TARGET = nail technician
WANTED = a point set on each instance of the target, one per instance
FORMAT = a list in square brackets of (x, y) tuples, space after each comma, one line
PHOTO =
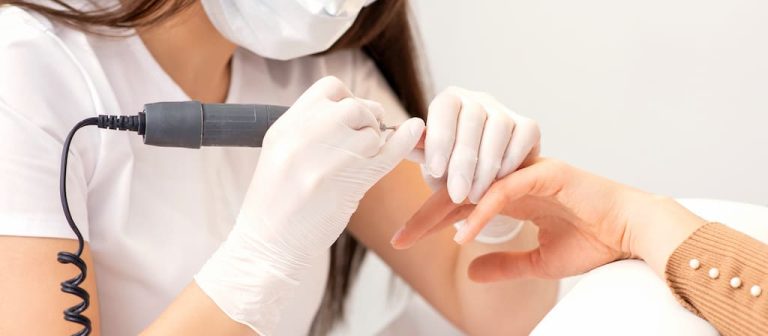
[(231, 241)]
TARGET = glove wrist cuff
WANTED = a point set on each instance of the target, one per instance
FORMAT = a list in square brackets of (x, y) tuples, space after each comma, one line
[(249, 278), (250, 290)]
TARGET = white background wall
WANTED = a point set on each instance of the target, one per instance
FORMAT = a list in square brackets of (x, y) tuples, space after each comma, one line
[(668, 96)]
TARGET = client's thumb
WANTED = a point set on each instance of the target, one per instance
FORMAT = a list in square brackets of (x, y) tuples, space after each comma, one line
[(505, 265), (402, 142)]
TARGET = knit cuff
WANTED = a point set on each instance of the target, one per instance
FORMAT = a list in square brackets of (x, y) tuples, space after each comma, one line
[(701, 273)]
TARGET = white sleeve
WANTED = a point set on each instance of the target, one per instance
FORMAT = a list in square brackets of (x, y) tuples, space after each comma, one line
[(42, 96)]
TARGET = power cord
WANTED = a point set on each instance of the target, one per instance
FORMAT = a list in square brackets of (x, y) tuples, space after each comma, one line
[(174, 124), (71, 286)]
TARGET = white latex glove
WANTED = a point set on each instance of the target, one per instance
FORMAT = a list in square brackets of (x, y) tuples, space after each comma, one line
[(478, 140), (472, 140), (317, 162)]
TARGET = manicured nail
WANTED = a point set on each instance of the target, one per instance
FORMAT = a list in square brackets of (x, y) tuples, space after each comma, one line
[(437, 165), (458, 188), (396, 239), (461, 234)]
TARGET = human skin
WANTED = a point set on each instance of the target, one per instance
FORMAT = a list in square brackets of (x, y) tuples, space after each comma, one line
[(584, 221)]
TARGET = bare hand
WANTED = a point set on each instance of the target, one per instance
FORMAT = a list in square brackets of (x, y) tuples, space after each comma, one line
[(584, 221)]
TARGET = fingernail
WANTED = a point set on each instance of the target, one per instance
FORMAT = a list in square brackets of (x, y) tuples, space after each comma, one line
[(458, 188), (396, 239), (437, 165), (461, 235)]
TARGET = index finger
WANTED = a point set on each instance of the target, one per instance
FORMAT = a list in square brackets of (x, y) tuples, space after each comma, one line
[(420, 144), (538, 179), (431, 214)]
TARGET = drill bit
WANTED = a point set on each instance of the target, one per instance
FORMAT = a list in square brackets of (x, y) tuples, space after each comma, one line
[(383, 127)]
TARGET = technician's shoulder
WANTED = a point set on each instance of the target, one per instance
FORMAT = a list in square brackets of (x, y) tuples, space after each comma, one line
[(39, 72)]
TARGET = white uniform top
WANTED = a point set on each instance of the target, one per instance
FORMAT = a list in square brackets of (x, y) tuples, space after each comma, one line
[(152, 215)]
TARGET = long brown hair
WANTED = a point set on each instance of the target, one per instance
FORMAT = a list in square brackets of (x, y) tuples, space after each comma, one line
[(382, 30)]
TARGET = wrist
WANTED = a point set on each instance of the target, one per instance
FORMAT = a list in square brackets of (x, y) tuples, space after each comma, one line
[(660, 227), (248, 293), (248, 280)]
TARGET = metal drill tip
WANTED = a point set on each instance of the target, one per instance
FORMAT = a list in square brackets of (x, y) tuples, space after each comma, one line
[(383, 127)]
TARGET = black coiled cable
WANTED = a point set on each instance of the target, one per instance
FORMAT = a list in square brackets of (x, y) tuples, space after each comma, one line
[(72, 286)]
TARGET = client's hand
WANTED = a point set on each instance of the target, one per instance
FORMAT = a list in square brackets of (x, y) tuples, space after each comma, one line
[(584, 221)]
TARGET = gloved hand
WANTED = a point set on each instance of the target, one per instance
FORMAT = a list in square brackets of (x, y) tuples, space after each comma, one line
[(477, 140), (317, 162), (472, 140)]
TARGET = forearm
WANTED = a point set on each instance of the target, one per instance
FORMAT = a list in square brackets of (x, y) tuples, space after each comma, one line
[(31, 302), (485, 308), (194, 313), (34, 307)]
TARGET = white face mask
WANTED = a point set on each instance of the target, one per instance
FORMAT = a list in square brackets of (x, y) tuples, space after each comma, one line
[(283, 29)]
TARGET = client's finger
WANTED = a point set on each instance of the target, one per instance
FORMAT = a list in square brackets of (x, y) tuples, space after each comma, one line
[(420, 144), (535, 180), (417, 155), (431, 213), (456, 215), (505, 265)]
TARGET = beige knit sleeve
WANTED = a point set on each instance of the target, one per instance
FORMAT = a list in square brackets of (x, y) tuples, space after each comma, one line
[(721, 275)]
